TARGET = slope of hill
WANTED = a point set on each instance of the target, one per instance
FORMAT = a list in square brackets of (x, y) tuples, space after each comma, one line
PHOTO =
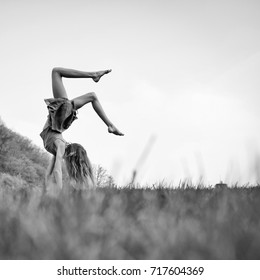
[(21, 162)]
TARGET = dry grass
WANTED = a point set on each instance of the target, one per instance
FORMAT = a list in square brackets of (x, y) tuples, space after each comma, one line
[(129, 223)]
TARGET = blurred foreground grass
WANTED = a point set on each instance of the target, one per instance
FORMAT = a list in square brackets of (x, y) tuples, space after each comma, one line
[(128, 223)]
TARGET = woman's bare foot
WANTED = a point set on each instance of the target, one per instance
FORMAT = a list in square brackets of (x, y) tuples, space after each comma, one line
[(114, 130), (99, 74)]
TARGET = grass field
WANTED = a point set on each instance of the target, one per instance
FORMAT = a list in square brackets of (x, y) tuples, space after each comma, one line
[(130, 223)]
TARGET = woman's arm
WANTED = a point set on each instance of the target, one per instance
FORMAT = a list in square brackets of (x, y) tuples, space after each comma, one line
[(50, 168), (57, 169)]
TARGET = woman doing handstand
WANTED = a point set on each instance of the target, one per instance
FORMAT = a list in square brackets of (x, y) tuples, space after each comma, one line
[(62, 112)]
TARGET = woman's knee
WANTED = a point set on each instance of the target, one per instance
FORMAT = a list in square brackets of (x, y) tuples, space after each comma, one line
[(93, 96), (55, 72)]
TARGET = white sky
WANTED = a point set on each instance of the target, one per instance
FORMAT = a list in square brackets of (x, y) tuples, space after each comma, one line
[(185, 74)]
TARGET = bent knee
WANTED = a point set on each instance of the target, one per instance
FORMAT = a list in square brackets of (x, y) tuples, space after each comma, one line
[(93, 96), (56, 71)]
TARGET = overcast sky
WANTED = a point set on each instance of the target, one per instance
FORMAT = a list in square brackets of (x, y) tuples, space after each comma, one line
[(184, 87)]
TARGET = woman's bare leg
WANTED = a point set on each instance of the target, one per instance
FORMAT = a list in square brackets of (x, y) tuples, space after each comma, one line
[(92, 97), (58, 72)]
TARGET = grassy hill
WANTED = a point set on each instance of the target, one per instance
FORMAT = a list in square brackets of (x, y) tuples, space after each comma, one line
[(22, 163)]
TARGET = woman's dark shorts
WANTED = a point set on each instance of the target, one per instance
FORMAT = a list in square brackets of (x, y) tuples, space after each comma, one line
[(61, 113)]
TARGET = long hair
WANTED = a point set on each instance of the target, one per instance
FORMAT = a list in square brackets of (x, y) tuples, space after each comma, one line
[(77, 163)]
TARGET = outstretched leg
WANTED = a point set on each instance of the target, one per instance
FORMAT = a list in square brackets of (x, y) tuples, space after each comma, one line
[(58, 72), (92, 97)]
